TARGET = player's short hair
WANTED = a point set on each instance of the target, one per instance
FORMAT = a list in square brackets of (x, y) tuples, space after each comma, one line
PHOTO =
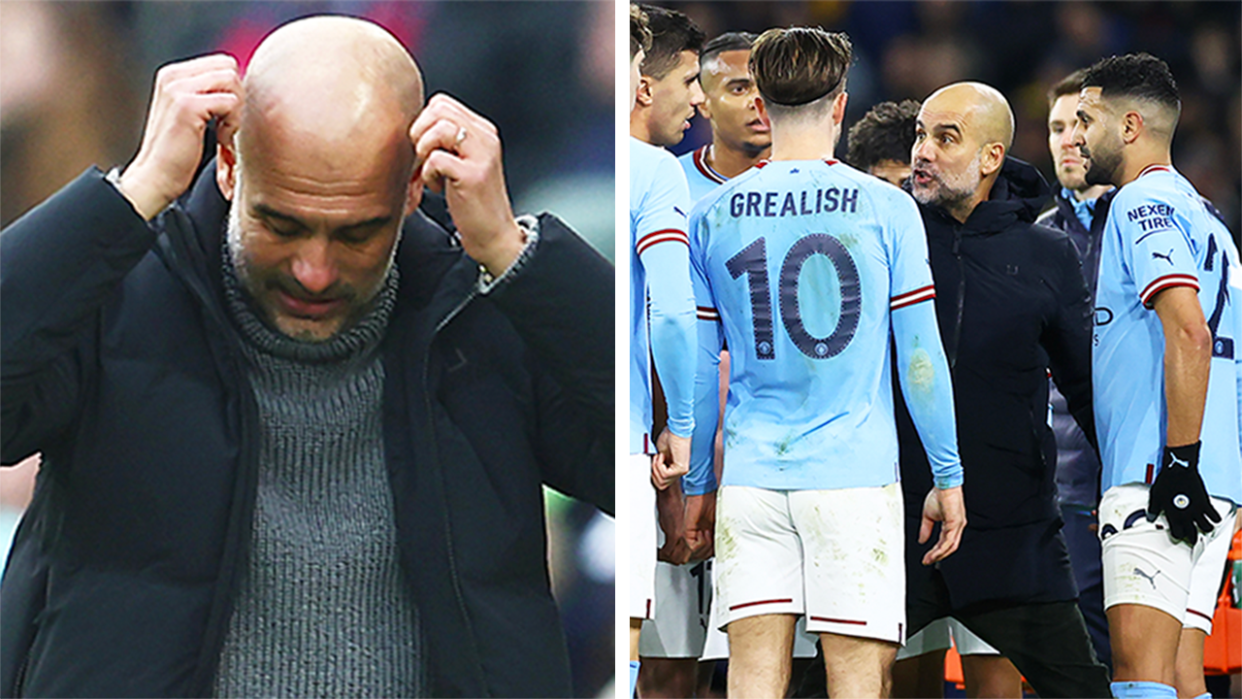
[(640, 33), (1139, 76), (886, 132), (797, 66), (729, 41), (1069, 85), (671, 33)]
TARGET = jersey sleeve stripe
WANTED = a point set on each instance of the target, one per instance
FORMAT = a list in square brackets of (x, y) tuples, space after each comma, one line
[(707, 313), (1166, 282), (669, 234), (912, 297)]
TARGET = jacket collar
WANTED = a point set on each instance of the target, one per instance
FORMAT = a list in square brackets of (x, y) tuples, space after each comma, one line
[(435, 272), (1018, 195)]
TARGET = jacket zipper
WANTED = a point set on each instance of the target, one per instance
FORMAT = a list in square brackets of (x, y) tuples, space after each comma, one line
[(961, 295), (235, 548), (435, 449), (19, 681)]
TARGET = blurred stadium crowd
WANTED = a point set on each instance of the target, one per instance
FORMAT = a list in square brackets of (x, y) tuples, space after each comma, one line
[(76, 78), (906, 50)]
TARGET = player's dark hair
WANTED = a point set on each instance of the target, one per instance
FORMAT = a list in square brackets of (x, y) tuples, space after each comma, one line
[(671, 33), (886, 132), (1137, 75), (800, 65), (1069, 85), (640, 33), (729, 41)]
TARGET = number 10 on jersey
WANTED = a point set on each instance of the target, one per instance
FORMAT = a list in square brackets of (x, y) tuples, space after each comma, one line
[(753, 262)]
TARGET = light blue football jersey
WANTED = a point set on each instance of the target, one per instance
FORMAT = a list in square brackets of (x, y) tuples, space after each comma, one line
[(700, 176), (702, 180), (1161, 233), (806, 263), (662, 309)]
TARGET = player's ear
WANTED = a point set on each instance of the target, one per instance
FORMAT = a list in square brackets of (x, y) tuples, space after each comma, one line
[(838, 107), (1131, 126), (643, 96)]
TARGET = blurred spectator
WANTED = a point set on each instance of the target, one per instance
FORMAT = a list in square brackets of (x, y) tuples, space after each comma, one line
[(61, 72)]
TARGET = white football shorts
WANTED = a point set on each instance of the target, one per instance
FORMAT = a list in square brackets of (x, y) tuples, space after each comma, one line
[(1144, 565), (679, 625), (642, 537), (835, 556), (716, 647)]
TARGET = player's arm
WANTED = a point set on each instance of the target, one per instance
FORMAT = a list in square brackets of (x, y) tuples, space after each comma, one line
[(1187, 357), (1067, 340), (924, 376), (663, 250), (699, 485), (1178, 489), (1157, 249)]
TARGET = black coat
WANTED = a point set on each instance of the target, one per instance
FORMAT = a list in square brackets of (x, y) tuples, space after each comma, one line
[(120, 365), (1078, 463), (1011, 304)]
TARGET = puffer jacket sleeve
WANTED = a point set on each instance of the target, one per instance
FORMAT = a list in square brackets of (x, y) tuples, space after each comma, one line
[(1067, 338), (561, 302), (59, 263)]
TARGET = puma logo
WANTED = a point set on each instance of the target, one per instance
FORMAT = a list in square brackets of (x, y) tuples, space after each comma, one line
[(1167, 258), (1178, 462), (1150, 578)]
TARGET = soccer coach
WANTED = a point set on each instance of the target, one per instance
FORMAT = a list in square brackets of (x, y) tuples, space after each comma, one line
[(294, 434)]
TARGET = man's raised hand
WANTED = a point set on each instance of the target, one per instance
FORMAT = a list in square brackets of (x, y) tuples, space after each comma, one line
[(458, 152), (187, 96)]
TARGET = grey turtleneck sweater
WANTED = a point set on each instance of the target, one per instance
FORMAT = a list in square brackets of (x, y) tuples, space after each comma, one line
[(322, 610)]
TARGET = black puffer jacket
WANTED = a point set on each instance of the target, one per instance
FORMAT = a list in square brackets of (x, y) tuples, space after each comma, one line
[(120, 365), (1011, 303), (1078, 464)]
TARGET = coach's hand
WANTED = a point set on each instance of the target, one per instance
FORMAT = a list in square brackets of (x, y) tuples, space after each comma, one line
[(947, 507), (187, 95), (1179, 493), (458, 152), (676, 461)]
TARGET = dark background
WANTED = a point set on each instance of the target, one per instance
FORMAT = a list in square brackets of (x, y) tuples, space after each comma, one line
[(906, 50)]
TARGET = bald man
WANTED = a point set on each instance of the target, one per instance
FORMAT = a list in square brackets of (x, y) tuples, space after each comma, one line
[(294, 433), (1012, 306)]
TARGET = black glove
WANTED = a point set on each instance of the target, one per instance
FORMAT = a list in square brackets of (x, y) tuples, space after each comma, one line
[(1179, 493)]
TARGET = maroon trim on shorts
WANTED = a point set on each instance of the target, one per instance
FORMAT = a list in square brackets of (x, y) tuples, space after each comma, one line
[(1198, 613), (788, 600), (839, 621)]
